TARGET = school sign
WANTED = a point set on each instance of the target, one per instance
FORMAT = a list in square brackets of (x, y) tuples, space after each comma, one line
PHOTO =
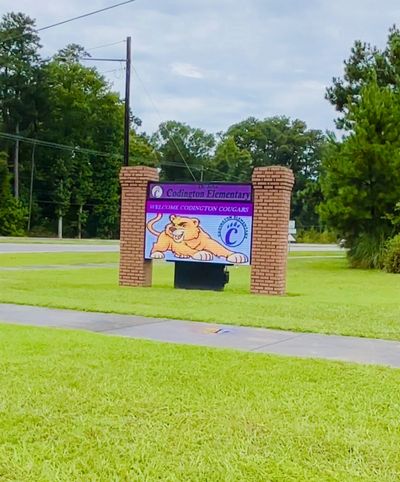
[(199, 222)]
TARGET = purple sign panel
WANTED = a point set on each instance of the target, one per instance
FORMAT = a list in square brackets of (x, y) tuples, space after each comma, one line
[(199, 222), (204, 192)]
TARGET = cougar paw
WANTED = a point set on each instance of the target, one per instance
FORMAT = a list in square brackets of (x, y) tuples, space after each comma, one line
[(203, 256), (237, 258), (157, 255)]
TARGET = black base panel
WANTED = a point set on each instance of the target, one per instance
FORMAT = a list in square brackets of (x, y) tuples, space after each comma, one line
[(200, 276)]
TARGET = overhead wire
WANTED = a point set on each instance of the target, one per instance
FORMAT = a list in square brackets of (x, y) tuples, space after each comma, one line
[(36, 141), (78, 149), (55, 145), (78, 17), (171, 136), (70, 203), (121, 69), (169, 133), (91, 151), (105, 45)]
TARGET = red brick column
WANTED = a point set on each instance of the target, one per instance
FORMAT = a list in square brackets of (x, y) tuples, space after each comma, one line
[(272, 190), (134, 270)]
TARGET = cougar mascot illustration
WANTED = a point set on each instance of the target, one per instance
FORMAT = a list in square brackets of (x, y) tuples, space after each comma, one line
[(186, 239)]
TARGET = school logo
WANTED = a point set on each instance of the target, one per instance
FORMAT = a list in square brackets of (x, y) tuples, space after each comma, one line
[(156, 191), (233, 231)]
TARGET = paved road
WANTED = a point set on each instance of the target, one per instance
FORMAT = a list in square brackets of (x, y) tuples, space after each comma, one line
[(41, 267), (13, 248), (345, 348), (98, 248)]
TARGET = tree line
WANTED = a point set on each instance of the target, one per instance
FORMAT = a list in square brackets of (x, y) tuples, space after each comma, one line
[(61, 138), (360, 174), (62, 131)]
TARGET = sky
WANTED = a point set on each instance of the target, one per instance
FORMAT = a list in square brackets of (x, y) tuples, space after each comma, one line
[(213, 63)]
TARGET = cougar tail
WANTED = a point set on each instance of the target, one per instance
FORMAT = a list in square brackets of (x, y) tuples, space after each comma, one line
[(152, 222)]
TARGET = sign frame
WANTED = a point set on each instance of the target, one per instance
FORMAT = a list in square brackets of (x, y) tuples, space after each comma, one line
[(216, 245)]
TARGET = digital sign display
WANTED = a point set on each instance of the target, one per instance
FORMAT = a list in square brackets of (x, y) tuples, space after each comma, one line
[(199, 222)]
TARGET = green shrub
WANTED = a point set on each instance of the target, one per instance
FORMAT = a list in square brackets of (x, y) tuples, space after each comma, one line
[(311, 236), (367, 252), (13, 217), (391, 260)]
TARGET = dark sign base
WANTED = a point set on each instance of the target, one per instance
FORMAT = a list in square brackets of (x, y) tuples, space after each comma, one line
[(200, 276)]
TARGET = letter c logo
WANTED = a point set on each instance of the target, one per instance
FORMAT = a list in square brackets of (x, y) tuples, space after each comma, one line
[(228, 235), (232, 231)]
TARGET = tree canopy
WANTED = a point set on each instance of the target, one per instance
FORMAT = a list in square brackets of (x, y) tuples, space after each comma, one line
[(62, 134), (78, 122), (361, 181), (366, 62), (184, 151), (285, 142)]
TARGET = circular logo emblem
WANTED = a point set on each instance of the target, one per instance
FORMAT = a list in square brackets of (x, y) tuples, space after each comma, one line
[(233, 231), (156, 191)]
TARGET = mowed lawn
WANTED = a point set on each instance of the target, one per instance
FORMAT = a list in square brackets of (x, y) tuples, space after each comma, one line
[(324, 295), (76, 406)]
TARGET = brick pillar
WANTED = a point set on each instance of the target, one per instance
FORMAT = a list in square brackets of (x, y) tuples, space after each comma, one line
[(134, 270), (272, 190)]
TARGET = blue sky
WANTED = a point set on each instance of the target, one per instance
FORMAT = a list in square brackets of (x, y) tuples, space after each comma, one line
[(211, 63)]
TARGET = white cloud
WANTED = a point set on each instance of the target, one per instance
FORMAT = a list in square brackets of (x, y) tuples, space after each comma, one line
[(259, 57), (186, 70)]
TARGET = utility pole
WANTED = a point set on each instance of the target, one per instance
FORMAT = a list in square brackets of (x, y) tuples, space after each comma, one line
[(127, 100), (127, 61)]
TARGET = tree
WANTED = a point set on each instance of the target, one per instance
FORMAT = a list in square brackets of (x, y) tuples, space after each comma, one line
[(20, 76), (71, 53), (365, 63), (12, 214), (184, 151), (285, 142), (361, 181), (83, 113), (231, 163), (141, 152)]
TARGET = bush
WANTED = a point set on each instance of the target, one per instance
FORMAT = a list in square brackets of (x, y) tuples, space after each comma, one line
[(310, 236), (391, 261), (13, 217), (367, 252)]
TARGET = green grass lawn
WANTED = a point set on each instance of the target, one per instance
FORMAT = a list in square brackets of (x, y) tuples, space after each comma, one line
[(52, 259), (324, 296), (84, 407)]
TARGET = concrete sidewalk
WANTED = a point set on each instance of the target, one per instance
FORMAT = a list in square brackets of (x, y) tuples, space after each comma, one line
[(345, 348)]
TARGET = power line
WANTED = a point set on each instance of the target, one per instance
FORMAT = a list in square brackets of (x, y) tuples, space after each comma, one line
[(106, 45), (71, 149), (112, 70), (198, 168), (159, 115), (101, 59), (71, 203), (55, 145), (85, 15), (94, 12)]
